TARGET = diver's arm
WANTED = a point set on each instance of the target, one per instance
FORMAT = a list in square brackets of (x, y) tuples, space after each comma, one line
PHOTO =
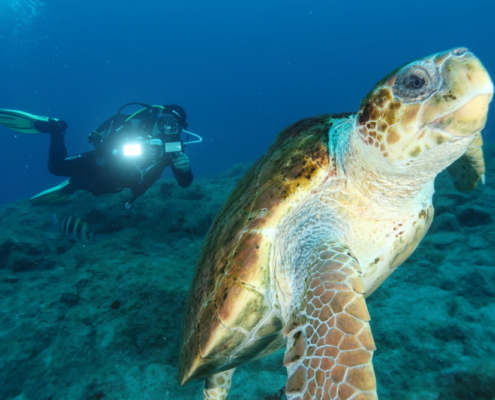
[(181, 168), (184, 179)]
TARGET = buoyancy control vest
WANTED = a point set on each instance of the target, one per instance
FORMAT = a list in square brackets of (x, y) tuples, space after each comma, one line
[(120, 127)]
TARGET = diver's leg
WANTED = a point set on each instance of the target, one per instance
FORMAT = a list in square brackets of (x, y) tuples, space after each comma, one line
[(57, 154), (80, 165), (217, 386)]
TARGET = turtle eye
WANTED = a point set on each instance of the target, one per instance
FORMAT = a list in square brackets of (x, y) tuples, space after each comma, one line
[(416, 82)]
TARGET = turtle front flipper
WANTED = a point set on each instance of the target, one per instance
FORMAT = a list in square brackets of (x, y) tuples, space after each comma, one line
[(329, 341), (467, 170)]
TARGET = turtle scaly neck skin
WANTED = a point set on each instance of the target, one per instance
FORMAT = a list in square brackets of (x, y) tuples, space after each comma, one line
[(401, 140), (385, 159)]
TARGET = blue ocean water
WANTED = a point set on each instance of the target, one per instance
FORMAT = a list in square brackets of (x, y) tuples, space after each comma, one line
[(242, 70), (85, 322)]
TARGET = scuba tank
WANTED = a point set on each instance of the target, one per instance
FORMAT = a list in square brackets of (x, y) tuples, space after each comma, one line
[(118, 124)]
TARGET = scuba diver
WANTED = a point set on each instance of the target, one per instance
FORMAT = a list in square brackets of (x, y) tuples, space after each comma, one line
[(130, 151)]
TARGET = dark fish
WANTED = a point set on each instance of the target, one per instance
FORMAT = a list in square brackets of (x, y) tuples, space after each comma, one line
[(75, 228)]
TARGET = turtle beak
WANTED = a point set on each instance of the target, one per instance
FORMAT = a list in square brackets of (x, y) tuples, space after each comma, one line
[(460, 108), (465, 121)]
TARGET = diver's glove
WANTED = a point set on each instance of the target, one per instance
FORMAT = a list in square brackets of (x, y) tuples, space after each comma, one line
[(53, 125), (181, 161)]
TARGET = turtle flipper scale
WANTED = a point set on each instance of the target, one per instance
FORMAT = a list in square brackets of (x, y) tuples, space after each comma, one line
[(217, 386), (330, 345)]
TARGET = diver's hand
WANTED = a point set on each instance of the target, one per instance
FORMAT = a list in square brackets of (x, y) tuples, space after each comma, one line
[(181, 161)]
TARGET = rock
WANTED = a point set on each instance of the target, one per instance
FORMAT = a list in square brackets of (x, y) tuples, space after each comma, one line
[(477, 242), (110, 227), (471, 217), (71, 299), (94, 216), (166, 188), (445, 222), (5, 250), (194, 192), (445, 240)]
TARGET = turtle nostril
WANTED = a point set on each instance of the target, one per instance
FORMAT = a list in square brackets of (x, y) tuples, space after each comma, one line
[(460, 51)]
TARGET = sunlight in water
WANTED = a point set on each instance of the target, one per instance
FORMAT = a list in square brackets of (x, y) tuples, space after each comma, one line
[(16, 16)]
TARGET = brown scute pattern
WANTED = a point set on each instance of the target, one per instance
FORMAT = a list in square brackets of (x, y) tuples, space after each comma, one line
[(376, 118), (297, 350), (262, 346), (274, 325), (332, 354), (215, 339), (296, 381), (239, 305), (232, 274), (252, 249)]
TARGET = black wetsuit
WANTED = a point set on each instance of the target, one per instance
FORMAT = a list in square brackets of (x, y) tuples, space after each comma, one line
[(107, 173)]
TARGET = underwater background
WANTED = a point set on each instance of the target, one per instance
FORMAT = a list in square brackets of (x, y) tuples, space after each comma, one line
[(102, 320), (243, 70)]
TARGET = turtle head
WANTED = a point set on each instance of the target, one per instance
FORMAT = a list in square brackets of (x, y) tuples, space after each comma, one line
[(415, 112)]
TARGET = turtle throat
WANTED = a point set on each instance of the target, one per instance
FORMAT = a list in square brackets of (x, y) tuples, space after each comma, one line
[(339, 142)]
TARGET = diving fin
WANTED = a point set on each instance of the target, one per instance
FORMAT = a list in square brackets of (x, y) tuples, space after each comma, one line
[(24, 122), (57, 193)]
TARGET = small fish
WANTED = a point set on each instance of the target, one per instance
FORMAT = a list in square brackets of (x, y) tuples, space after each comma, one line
[(74, 228)]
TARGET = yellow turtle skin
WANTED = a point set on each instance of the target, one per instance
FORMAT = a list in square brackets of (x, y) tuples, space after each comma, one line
[(335, 205)]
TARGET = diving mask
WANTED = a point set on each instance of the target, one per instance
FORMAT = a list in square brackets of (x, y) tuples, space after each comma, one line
[(168, 125)]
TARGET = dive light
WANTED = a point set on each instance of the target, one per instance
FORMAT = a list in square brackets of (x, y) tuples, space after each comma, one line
[(153, 148), (131, 150)]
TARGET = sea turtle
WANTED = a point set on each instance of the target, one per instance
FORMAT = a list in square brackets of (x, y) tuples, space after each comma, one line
[(336, 204)]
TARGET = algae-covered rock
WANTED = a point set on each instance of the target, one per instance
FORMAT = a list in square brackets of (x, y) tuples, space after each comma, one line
[(101, 320)]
